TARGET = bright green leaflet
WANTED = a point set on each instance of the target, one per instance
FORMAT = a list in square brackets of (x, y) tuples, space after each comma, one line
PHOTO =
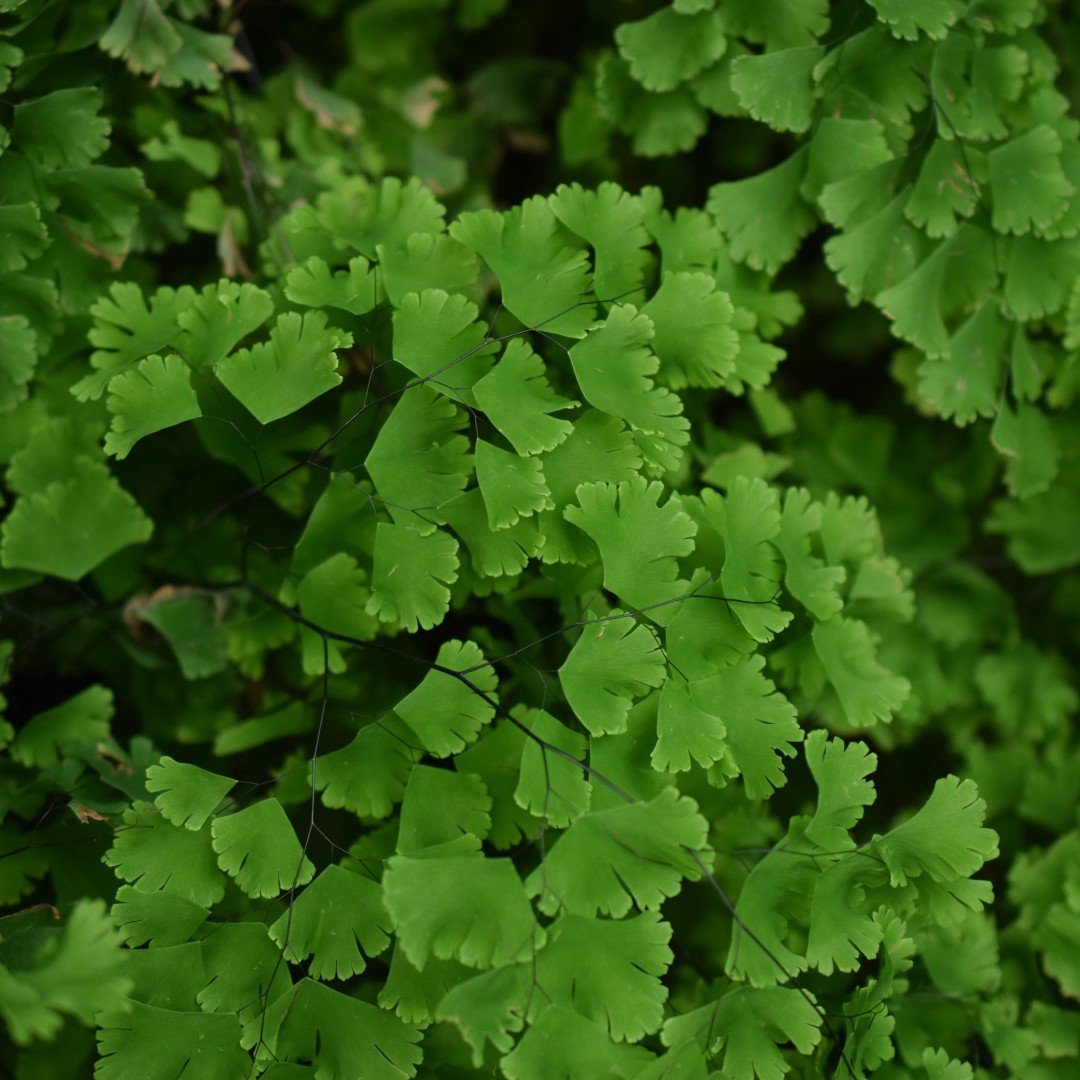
[(446, 712), (609, 971), (73, 526), (258, 848), (613, 661), (187, 795), (80, 721), (154, 395), (425, 564), (543, 283), (469, 908), (519, 401), (339, 914), (614, 367), (278, 377), (632, 853), (640, 542)]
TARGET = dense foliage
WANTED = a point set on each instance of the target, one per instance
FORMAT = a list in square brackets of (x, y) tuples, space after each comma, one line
[(539, 539)]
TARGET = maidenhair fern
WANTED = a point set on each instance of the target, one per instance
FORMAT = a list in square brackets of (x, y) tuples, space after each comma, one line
[(444, 637)]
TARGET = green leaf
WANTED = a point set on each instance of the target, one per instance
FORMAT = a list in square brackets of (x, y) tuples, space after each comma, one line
[(944, 839), (342, 1035), (188, 795), (759, 721), (1028, 185), (693, 337), (436, 336), (366, 215), (876, 250), (368, 775), (777, 87), (615, 660), (424, 565), (62, 130), (418, 462), (219, 317), (640, 541), (749, 1025), (426, 261), (18, 355), (611, 220), (74, 525), (939, 1066), (659, 123), (142, 35), (669, 48), (608, 971), (23, 235), (338, 915), (258, 848), (542, 281), (747, 518), (1039, 275), (76, 971), (560, 1045), (1039, 531), (297, 365), (765, 217), (489, 1007), (841, 148), (333, 595), (440, 806), (469, 908), (127, 329), (789, 24), (684, 729), (498, 757), (173, 145), (774, 896), (814, 584), (959, 273), (867, 692), (1026, 688), (1026, 439), (150, 971), (291, 719), (200, 59), (1058, 939), (191, 623), (414, 994), (840, 771), (501, 553), (154, 395), (243, 970), (80, 722), (906, 18), (631, 853), (160, 1044), (550, 787), (614, 365), (513, 487), (445, 712), (352, 289), (841, 929), (519, 401), (944, 191), (156, 855), (873, 75), (103, 200), (599, 447), (157, 918)]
